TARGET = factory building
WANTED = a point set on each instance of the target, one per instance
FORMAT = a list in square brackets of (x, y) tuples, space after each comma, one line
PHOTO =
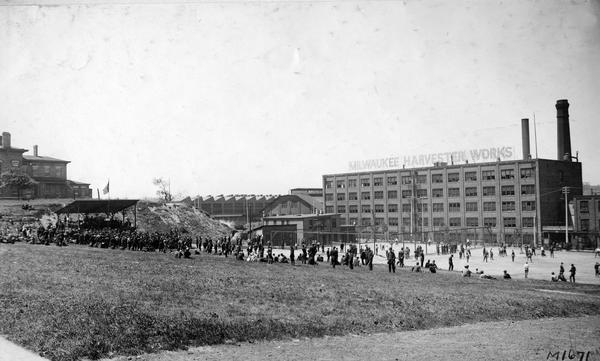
[(508, 201), (235, 208)]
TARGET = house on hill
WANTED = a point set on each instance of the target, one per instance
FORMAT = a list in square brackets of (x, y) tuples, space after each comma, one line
[(48, 175)]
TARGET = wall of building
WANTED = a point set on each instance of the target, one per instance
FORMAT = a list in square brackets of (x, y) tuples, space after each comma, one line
[(488, 201)]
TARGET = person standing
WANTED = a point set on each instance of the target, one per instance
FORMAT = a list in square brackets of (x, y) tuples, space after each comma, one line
[(422, 258), (370, 256), (334, 257), (391, 258), (512, 255), (572, 271), (292, 259), (526, 269), (450, 263)]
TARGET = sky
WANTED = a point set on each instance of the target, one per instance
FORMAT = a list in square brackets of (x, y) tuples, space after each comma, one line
[(258, 97)]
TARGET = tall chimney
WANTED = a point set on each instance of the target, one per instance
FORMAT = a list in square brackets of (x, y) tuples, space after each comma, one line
[(525, 138), (563, 133), (5, 140), (35, 150)]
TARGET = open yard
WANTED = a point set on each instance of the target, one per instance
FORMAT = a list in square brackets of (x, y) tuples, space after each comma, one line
[(68, 303)]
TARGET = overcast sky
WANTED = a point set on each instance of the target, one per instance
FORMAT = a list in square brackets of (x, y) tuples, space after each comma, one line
[(259, 97)]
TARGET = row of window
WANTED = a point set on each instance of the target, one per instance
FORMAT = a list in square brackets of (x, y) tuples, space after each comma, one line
[(508, 190), (506, 206), (505, 174), (584, 206), (507, 222)]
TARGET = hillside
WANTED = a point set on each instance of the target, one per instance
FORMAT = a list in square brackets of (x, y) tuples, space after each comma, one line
[(151, 217)]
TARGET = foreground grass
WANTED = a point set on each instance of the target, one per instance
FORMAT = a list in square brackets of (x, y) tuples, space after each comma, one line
[(75, 302)]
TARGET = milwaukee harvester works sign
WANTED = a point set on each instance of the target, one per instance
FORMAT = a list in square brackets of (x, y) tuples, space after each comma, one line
[(428, 160)]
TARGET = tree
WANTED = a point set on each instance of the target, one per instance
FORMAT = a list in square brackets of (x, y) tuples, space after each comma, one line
[(17, 180), (164, 189)]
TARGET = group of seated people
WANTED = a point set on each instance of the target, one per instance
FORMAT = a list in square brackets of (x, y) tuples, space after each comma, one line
[(467, 273)]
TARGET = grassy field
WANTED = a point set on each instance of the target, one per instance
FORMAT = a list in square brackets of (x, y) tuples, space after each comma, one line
[(78, 302)]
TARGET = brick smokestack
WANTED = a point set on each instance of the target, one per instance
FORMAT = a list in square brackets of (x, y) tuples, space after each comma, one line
[(5, 140), (35, 150), (563, 133), (525, 138)]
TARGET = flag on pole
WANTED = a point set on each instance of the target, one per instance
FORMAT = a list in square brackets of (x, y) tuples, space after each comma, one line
[(107, 188)]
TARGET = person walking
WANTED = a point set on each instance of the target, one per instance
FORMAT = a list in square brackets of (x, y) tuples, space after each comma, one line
[(526, 269), (450, 263), (572, 271), (292, 258)]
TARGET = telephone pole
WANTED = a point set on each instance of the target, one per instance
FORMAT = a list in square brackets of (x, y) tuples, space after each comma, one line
[(565, 191)]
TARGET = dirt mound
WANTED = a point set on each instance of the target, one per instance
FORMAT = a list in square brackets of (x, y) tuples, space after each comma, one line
[(156, 217)]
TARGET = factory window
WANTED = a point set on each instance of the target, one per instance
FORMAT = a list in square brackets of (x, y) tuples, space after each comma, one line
[(341, 209), (472, 222), (584, 207), (585, 225), (489, 222), (378, 181), (366, 221), (379, 208), (406, 179), (341, 197), (406, 222), (470, 176), (471, 192), (379, 221), (526, 173), (488, 174), (454, 207), (454, 222), (378, 195), (424, 222), (284, 205), (527, 189), (438, 207), (329, 209), (507, 174), (353, 208), (471, 206), (437, 192), (453, 177), (365, 182), (328, 197), (392, 181), (328, 184), (341, 184), (422, 179), (352, 183), (489, 191), (453, 192), (437, 178), (393, 221), (407, 193), (508, 190), (365, 196), (510, 222), (392, 208), (352, 196), (422, 207), (489, 206), (527, 222), (528, 206), (438, 222), (422, 193), (365, 208), (508, 206), (406, 208), (392, 194)]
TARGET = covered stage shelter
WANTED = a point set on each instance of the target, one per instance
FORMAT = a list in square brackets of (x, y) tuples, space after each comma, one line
[(95, 206)]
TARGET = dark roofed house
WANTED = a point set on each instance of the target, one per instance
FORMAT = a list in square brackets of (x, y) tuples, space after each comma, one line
[(49, 174)]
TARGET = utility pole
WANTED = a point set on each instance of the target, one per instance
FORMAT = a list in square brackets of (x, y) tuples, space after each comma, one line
[(565, 191)]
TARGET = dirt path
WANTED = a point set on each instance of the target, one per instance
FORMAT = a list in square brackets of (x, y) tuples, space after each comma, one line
[(12, 352), (548, 339)]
